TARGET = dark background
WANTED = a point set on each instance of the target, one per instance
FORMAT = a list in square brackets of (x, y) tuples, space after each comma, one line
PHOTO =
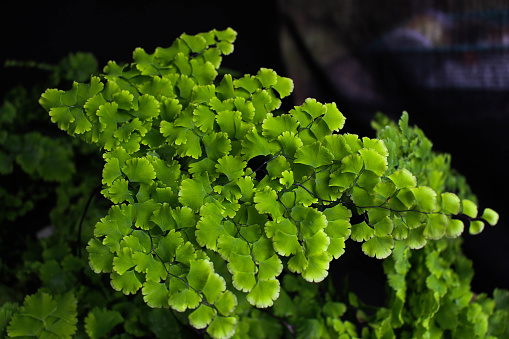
[(342, 53)]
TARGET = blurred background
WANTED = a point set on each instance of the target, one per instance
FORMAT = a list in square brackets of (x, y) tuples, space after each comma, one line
[(446, 62)]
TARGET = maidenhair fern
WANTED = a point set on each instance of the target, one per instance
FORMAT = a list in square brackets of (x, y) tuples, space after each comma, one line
[(43, 316), (221, 202)]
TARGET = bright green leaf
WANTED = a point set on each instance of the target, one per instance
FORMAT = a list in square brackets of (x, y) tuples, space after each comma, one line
[(222, 327), (214, 287), (123, 261), (273, 127), (317, 268), (226, 303), (185, 299), (204, 118), (155, 294), (426, 198), (373, 161), (362, 232), (334, 119), (267, 77), (403, 178), (254, 145), (476, 227), (193, 191), (270, 268), (314, 155), (202, 316), (139, 170), (436, 226), (128, 283), (379, 247), (450, 203), (469, 208), (352, 164), (264, 293), (284, 86), (454, 228), (232, 167), (416, 239), (490, 216)]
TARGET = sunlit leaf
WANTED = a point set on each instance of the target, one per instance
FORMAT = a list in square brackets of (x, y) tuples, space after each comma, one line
[(264, 293), (379, 247)]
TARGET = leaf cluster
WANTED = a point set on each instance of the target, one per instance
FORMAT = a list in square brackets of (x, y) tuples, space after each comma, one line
[(47, 288), (224, 206)]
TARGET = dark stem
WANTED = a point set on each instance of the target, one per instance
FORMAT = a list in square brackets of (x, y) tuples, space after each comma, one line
[(80, 226)]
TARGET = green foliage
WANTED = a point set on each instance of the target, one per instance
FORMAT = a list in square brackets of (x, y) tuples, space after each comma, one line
[(226, 212), (43, 316), (100, 322), (49, 178)]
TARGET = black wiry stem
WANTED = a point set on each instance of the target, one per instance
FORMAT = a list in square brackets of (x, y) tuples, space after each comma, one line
[(80, 226)]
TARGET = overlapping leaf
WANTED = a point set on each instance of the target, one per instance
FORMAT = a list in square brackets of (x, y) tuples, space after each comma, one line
[(180, 150)]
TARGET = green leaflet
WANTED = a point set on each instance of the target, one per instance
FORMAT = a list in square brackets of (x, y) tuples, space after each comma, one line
[(226, 303), (310, 221), (99, 322), (185, 299), (436, 226), (202, 316), (232, 167), (378, 246), (476, 227), (362, 232), (490, 216), (314, 155), (284, 236), (425, 198), (114, 226), (317, 267), (127, 283), (290, 143), (287, 178), (222, 327), (100, 257), (210, 226), (264, 293), (270, 268), (44, 316), (216, 193), (216, 145), (123, 261), (469, 208), (338, 229), (152, 267), (353, 163), (229, 122), (193, 191), (243, 270), (373, 161), (450, 203), (266, 202), (139, 170), (254, 145), (403, 179), (273, 127)]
